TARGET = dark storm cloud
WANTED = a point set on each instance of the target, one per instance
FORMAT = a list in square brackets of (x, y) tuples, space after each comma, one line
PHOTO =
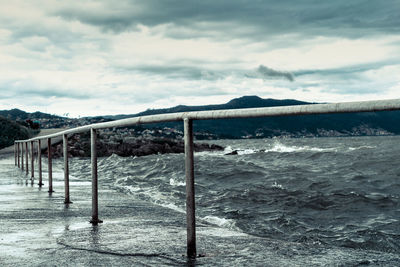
[(264, 72), (349, 70), (195, 73), (312, 17), (186, 72)]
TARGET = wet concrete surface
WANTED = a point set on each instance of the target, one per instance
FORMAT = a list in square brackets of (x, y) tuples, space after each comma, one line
[(38, 229)]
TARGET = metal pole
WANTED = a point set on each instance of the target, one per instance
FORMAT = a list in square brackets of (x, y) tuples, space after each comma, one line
[(190, 203), (19, 165), (26, 160), (22, 156), (15, 153), (39, 157), (95, 205), (66, 169), (50, 163), (32, 162)]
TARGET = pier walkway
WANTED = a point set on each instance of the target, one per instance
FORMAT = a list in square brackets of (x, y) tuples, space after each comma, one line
[(38, 229)]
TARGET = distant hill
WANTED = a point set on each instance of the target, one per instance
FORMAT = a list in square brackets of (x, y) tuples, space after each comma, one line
[(17, 114), (10, 131), (242, 102), (353, 124)]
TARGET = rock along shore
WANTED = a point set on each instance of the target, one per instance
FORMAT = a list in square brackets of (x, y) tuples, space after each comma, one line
[(79, 146)]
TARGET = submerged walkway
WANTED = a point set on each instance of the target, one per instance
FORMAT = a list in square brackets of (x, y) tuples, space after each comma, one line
[(38, 229)]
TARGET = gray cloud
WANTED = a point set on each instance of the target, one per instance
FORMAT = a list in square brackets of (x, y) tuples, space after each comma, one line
[(185, 72), (220, 18), (195, 73), (13, 89), (264, 72), (348, 80), (83, 45)]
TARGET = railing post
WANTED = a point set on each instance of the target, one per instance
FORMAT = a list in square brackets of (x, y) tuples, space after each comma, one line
[(93, 152), (22, 156), (15, 154), (190, 203), (39, 157), (66, 169), (50, 167), (18, 160), (26, 160), (32, 162)]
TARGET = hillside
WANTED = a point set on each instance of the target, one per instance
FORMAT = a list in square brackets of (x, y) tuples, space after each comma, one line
[(17, 114), (353, 124), (44, 120), (10, 131), (242, 102)]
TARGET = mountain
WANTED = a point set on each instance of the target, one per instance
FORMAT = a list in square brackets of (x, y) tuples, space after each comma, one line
[(242, 102), (352, 124)]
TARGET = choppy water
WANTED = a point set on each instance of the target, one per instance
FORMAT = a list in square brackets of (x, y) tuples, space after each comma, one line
[(330, 192)]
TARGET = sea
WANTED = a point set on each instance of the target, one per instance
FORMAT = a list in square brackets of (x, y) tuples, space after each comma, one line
[(324, 198)]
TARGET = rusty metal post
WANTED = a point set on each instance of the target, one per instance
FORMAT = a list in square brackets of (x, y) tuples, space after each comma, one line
[(50, 165), (95, 204), (18, 156), (32, 162), (190, 203), (26, 160), (39, 157), (22, 156), (15, 154), (66, 169)]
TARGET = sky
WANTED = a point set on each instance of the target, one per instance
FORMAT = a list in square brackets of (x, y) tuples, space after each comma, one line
[(88, 58)]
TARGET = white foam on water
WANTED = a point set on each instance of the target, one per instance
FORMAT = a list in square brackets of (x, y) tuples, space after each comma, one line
[(158, 198), (240, 151), (279, 147), (361, 147), (154, 196), (228, 150), (221, 222), (174, 182), (220, 232), (246, 151), (276, 185), (172, 207)]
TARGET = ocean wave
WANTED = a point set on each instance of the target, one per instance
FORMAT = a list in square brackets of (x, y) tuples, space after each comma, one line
[(174, 182), (276, 147), (222, 222), (361, 147), (282, 148), (303, 190)]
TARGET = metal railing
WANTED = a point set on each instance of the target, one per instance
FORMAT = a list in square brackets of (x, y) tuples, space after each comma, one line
[(187, 118)]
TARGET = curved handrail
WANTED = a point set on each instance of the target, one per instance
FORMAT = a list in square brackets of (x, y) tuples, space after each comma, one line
[(344, 107)]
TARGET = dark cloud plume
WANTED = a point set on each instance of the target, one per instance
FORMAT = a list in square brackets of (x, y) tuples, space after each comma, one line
[(177, 72), (264, 72), (261, 18)]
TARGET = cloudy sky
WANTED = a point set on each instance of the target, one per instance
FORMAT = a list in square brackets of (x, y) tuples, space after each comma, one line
[(121, 57)]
